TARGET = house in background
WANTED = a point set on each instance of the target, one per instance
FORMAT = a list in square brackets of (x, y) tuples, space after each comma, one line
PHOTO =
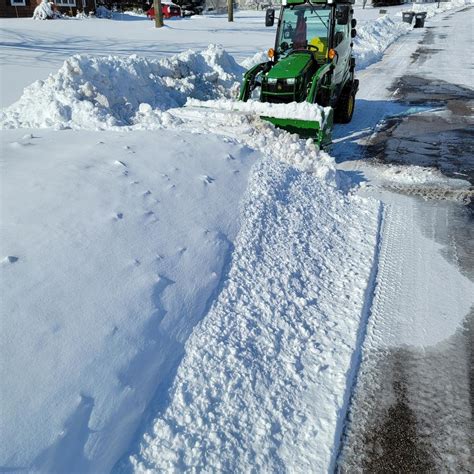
[(25, 8)]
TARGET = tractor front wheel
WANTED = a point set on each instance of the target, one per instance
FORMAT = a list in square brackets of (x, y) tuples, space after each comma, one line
[(345, 106)]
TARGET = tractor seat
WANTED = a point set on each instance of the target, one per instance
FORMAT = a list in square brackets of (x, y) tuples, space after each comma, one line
[(322, 45)]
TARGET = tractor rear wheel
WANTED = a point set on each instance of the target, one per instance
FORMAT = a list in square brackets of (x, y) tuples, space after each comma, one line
[(345, 106)]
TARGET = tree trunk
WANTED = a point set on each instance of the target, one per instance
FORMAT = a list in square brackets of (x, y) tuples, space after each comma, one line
[(158, 13)]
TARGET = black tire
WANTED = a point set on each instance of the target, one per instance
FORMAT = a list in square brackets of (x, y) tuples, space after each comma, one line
[(345, 106)]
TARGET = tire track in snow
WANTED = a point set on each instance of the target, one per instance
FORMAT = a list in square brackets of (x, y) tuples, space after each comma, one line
[(356, 359), (408, 353)]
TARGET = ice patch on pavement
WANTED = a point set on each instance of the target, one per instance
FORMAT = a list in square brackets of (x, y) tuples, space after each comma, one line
[(415, 175)]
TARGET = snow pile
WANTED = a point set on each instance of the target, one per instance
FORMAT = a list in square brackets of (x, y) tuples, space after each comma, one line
[(374, 37), (257, 58), (293, 110), (103, 92), (433, 8), (264, 383)]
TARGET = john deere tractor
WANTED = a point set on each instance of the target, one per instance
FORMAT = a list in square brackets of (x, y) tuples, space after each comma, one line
[(312, 62)]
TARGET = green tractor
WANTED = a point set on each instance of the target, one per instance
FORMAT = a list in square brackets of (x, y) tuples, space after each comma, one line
[(312, 62)]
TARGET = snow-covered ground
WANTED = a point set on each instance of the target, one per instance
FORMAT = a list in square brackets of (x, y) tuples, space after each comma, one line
[(173, 280)]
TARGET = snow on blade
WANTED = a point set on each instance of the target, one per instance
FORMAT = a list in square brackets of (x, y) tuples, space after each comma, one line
[(103, 92), (265, 374), (293, 110)]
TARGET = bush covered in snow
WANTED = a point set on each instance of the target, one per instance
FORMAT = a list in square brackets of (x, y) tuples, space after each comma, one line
[(46, 11)]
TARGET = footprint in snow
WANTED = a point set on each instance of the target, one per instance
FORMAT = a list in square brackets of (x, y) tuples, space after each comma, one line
[(206, 179), (150, 216), (118, 216), (10, 259), (121, 164)]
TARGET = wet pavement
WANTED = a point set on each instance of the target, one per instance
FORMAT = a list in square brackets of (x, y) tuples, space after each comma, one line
[(416, 422), (442, 136), (412, 407)]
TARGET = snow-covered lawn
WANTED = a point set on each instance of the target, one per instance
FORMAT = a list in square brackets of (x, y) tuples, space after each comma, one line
[(183, 287)]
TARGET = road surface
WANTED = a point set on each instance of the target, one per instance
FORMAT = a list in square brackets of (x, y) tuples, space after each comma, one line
[(411, 406)]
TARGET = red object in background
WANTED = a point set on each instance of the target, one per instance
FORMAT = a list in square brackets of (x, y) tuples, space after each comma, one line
[(167, 9)]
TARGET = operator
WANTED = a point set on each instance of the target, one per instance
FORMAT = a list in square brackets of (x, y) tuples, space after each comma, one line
[(299, 40)]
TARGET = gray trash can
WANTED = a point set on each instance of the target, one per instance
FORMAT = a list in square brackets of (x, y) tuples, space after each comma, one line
[(420, 19), (408, 17)]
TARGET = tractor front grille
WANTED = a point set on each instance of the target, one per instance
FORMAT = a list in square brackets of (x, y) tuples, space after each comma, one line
[(280, 87), (279, 92), (278, 99)]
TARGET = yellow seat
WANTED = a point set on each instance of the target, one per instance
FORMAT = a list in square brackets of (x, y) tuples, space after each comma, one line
[(322, 45)]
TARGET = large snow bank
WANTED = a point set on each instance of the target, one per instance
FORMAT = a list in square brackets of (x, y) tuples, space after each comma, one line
[(103, 92), (434, 8), (374, 37)]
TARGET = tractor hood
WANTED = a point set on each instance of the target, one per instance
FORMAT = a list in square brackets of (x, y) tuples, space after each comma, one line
[(290, 67)]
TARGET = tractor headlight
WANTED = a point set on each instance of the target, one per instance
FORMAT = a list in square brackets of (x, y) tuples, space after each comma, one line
[(272, 80), (291, 81)]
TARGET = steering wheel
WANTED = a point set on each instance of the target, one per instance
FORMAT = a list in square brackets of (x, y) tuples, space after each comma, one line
[(309, 46)]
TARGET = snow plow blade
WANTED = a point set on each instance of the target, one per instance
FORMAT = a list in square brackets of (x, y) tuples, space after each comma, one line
[(305, 119), (306, 128)]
